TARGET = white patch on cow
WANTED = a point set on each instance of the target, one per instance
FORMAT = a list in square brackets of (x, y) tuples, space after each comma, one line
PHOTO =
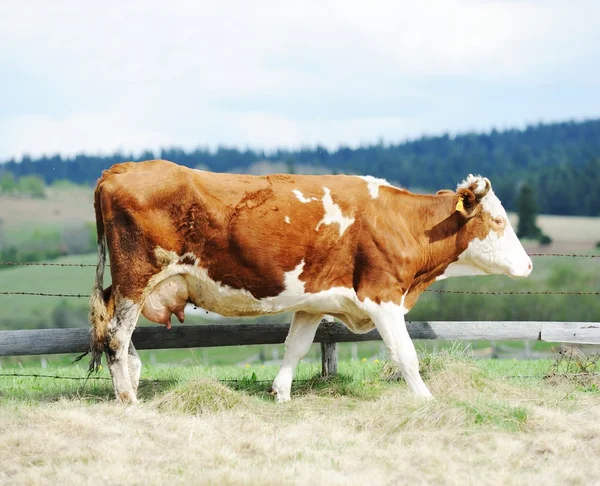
[(287, 219), (293, 286), (373, 185), (303, 199), (333, 214), (460, 269)]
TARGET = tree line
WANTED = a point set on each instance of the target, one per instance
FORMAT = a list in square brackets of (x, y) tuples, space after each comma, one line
[(560, 161)]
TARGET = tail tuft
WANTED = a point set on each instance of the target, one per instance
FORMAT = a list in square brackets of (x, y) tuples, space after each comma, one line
[(99, 332)]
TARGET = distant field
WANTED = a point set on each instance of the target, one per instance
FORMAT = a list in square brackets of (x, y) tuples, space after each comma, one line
[(62, 206), (570, 234)]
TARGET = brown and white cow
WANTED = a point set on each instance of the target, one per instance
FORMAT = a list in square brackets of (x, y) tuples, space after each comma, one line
[(352, 247)]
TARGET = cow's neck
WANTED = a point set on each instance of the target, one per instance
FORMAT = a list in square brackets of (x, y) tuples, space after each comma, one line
[(441, 233)]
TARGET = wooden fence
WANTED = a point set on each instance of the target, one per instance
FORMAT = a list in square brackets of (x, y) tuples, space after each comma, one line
[(76, 340)]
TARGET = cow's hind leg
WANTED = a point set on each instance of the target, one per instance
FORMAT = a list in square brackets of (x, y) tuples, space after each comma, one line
[(134, 364), (389, 320), (120, 329), (298, 341)]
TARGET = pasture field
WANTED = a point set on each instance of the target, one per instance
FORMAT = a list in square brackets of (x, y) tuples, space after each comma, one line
[(492, 422)]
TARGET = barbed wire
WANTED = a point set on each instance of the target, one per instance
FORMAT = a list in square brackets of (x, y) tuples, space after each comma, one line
[(510, 292), (438, 291), (142, 381), (572, 255), (48, 264), (238, 381), (83, 265), (43, 294)]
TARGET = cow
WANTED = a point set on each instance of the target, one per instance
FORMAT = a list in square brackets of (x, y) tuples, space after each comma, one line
[(352, 247)]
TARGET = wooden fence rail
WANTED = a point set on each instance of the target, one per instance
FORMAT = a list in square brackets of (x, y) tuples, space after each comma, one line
[(76, 340)]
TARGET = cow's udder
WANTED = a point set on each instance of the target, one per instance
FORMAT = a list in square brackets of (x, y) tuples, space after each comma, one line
[(167, 298)]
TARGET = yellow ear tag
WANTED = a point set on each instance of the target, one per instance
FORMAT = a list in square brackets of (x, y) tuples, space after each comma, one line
[(460, 207)]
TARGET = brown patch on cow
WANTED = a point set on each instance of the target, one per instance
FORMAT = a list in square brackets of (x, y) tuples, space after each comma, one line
[(187, 260), (114, 343), (107, 293), (496, 224)]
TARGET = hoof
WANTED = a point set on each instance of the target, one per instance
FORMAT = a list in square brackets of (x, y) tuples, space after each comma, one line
[(279, 397), (127, 398)]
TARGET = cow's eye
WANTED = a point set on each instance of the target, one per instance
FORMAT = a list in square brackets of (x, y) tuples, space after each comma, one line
[(499, 221)]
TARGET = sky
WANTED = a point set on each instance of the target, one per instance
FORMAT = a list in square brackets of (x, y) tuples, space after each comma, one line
[(129, 75)]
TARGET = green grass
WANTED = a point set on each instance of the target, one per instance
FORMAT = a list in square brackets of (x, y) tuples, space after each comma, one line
[(362, 379)]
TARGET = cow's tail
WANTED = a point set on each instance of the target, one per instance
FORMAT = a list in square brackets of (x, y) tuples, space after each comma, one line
[(98, 309)]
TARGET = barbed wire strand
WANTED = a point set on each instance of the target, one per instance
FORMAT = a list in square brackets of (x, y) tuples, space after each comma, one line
[(48, 264), (142, 381), (239, 381), (572, 255), (438, 291)]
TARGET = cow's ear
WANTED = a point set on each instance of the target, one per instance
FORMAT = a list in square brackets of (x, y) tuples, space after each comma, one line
[(466, 202), (441, 192)]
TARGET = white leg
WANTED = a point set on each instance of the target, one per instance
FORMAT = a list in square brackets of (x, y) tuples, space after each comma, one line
[(120, 330), (389, 320), (134, 364), (298, 341)]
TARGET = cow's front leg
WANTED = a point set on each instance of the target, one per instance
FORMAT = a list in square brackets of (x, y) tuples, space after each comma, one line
[(389, 320), (298, 341)]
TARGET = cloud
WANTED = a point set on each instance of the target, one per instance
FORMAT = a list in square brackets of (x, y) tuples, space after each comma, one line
[(137, 74)]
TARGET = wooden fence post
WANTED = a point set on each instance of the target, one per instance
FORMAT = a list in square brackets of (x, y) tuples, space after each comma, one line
[(329, 358)]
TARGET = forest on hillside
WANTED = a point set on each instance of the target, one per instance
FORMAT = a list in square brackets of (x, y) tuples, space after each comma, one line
[(560, 161)]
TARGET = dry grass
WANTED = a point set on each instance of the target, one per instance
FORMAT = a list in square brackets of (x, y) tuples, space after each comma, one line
[(570, 234), (480, 430), (60, 206)]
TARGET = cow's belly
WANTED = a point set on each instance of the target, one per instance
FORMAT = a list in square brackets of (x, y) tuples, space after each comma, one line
[(180, 284)]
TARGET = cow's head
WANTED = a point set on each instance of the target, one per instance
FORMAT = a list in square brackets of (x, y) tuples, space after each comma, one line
[(493, 246)]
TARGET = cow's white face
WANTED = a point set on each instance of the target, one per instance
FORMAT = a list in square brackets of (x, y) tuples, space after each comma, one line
[(495, 249)]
